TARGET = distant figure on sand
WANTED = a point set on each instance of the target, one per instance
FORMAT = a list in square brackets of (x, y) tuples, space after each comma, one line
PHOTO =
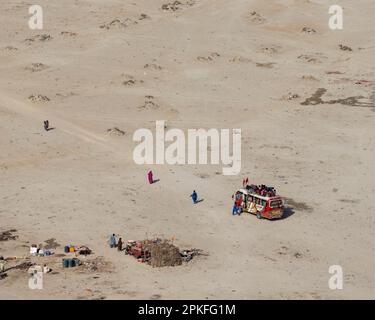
[(112, 241), (150, 177), (46, 125), (119, 245), (194, 196)]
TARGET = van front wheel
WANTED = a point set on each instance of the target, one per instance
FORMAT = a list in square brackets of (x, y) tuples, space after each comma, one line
[(259, 216)]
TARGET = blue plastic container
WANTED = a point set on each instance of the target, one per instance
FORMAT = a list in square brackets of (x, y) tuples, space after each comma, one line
[(71, 263), (65, 263)]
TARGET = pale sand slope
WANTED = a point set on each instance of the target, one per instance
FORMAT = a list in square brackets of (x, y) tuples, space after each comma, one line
[(204, 65)]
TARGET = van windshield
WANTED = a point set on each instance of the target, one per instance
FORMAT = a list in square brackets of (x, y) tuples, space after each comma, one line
[(276, 203)]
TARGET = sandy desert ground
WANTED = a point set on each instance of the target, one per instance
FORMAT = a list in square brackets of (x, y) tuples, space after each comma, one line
[(305, 107)]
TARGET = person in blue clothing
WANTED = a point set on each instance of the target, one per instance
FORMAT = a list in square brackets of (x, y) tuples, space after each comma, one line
[(235, 209), (194, 196), (112, 241)]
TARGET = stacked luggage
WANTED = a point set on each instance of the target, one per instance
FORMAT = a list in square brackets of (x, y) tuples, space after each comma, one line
[(261, 190)]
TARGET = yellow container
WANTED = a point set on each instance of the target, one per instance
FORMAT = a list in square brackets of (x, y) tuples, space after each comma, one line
[(71, 249)]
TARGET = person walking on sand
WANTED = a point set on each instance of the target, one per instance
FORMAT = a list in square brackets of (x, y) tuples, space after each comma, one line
[(119, 245), (194, 196), (150, 177), (46, 125), (112, 241)]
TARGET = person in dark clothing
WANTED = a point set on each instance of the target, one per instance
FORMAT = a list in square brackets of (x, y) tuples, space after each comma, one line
[(150, 177), (194, 196), (46, 125), (119, 245)]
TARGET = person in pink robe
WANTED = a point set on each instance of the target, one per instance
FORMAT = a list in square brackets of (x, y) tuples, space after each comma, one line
[(150, 177)]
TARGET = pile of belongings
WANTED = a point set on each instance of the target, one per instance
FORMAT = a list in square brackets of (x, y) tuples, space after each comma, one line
[(159, 252), (262, 190), (84, 250), (39, 252), (70, 248)]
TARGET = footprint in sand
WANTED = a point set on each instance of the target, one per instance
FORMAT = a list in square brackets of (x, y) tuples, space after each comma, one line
[(10, 48), (267, 65), (256, 18), (127, 80), (117, 23), (149, 104), (307, 30), (115, 132), (68, 33), (177, 5), (122, 24), (269, 50), (39, 37), (312, 58), (38, 98), (208, 58), (152, 66), (36, 67), (239, 59)]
